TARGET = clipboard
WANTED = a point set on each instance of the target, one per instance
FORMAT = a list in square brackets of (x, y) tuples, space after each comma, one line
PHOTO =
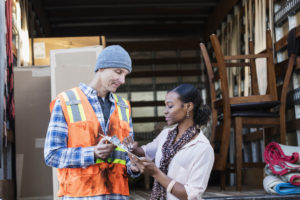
[(115, 141)]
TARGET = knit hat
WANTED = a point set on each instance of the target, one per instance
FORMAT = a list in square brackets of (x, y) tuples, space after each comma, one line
[(113, 56)]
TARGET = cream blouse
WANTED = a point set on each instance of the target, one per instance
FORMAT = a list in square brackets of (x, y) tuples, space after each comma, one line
[(191, 165)]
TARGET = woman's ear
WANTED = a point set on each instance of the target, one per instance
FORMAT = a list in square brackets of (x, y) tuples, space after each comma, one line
[(190, 106)]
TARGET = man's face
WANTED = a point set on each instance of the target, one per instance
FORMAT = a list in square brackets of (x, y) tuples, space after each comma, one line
[(112, 78)]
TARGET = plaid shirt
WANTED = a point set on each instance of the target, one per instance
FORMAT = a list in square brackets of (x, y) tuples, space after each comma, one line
[(56, 152)]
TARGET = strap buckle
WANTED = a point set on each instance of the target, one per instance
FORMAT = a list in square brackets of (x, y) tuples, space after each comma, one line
[(73, 102), (122, 105)]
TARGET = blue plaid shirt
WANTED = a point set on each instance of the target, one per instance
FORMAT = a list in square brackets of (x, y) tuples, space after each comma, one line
[(58, 155)]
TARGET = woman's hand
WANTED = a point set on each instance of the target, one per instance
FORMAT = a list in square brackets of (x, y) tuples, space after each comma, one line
[(133, 146), (145, 166), (130, 143), (134, 167)]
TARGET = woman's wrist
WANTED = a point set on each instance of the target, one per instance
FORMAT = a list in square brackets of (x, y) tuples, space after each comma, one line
[(139, 151), (171, 185), (157, 173)]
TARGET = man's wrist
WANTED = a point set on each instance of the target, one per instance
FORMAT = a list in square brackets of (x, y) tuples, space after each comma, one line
[(95, 155)]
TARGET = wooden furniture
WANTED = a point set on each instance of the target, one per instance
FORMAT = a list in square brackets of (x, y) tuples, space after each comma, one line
[(243, 111)]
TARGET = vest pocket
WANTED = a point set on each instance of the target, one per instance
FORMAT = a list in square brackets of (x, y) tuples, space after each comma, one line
[(125, 128), (120, 129), (93, 169), (80, 134), (119, 178), (81, 181)]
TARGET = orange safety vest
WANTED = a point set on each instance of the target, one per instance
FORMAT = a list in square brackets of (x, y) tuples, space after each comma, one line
[(107, 176)]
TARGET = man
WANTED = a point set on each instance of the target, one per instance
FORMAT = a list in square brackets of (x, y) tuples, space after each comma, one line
[(89, 167)]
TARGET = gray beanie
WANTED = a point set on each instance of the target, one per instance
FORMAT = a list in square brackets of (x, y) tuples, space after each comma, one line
[(113, 56)]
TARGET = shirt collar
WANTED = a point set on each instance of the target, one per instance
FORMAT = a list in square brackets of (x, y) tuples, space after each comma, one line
[(89, 91), (200, 138)]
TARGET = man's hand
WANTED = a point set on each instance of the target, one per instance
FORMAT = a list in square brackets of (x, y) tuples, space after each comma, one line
[(102, 150)]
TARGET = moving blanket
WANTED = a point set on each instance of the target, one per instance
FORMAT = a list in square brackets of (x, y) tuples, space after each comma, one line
[(274, 185), (282, 159), (293, 177)]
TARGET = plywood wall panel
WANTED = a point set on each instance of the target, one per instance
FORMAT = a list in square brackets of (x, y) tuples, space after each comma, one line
[(32, 97), (69, 67)]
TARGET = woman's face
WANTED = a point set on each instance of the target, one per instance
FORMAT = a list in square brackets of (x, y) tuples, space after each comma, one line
[(175, 111)]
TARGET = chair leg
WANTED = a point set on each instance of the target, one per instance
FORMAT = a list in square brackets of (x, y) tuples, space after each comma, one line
[(223, 180), (282, 128), (238, 152), (147, 182), (267, 136), (282, 132), (285, 86)]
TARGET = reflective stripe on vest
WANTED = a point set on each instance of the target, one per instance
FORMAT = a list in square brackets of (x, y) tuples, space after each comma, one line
[(118, 156), (74, 106), (123, 108)]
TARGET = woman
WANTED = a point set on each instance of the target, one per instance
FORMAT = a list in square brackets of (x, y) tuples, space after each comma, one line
[(183, 155)]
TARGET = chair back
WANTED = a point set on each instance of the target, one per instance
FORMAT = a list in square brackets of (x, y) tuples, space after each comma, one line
[(221, 103), (242, 61)]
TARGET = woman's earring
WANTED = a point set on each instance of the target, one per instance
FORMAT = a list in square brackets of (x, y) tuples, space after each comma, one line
[(188, 114)]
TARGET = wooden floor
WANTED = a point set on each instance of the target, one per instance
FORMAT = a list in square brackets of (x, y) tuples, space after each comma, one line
[(139, 194), (230, 194), (247, 193)]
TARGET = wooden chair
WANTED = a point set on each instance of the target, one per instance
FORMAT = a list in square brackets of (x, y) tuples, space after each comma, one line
[(244, 111)]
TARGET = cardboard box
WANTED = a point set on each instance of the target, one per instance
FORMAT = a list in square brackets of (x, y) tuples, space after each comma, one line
[(7, 189), (40, 47)]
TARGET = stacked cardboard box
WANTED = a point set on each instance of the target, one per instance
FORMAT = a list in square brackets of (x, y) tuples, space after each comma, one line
[(40, 47)]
